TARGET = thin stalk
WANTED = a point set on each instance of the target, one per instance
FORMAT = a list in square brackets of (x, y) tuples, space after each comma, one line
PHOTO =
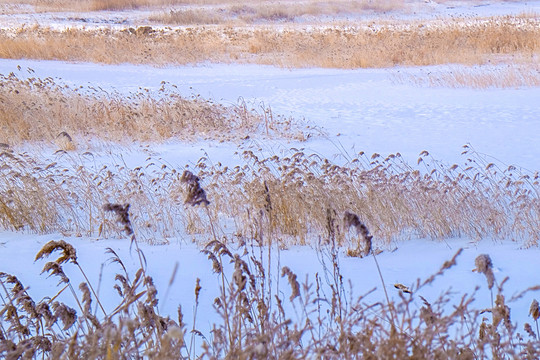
[(391, 308), (192, 342), (92, 289)]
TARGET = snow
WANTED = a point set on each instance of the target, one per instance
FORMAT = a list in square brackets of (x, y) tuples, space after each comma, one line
[(11, 16), (369, 111), (356, 110), (412, 260)]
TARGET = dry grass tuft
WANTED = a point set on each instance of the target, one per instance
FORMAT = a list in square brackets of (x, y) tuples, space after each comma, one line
[(189, 17), (272, 13), (98, 5), (390, 197), (246, 10), (83, 5), (477, 77), (64, 141), (361, 45), (35, 109), (52, 329), (253, 319), (293, 197), (485, 266)]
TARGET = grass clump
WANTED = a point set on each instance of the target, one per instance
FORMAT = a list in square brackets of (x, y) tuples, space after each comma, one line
[(257, 317), (227, 9), (264, 12), (476, 77), (42, 110), (290, 197), (361, 45), (395, 200), (52, 328), (86, 5)]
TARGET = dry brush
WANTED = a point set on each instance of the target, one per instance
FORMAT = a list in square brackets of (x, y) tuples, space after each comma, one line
[(359, 45)]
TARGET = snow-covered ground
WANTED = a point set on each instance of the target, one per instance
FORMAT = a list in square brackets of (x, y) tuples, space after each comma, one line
[(414, 259), (13, 15), (355, 110), (370, 113)]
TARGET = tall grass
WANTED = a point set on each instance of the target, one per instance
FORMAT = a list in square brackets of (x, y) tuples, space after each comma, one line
[(478, 199), (88, 5), (290, 197), (476, 77), (315, 318), (271, 13), (42, 110), (470, 41), (264, 9)]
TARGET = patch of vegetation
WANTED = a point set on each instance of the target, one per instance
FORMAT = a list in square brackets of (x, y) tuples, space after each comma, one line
[(36, 110), (358, 45), (290, 197), (254, 317)]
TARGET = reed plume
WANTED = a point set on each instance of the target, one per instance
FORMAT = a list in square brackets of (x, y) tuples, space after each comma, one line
[(485, 266), (195, 193), (352, 220)]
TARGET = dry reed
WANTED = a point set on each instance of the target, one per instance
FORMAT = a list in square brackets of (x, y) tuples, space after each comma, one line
[(476, 77), (42, 110), (270, 13), (292, 197), (478, 200), (264, 9), (362, 45), (86, 5), (317, 319)]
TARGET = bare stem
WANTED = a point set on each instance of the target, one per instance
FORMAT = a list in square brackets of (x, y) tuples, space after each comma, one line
[(390, 306)]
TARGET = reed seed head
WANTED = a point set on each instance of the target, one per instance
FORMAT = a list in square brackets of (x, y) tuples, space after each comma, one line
[(54, 268), (68, 251), (293, 282), (529, 330), (122, 213), (198, 289), (195, 193), (67, 315), (86, 298), (483, 263), (534, 310), (485, 266)]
